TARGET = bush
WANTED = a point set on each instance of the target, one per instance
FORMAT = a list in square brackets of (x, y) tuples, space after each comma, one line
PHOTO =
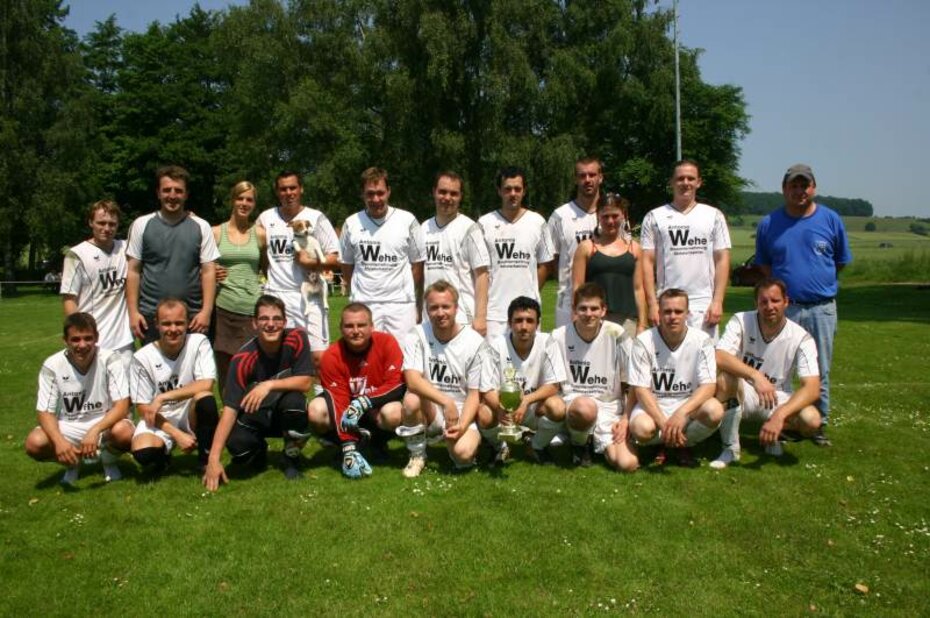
[(870, 226), (918, 228)]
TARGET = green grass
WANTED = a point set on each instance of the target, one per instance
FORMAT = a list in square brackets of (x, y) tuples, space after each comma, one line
[(762, 538)]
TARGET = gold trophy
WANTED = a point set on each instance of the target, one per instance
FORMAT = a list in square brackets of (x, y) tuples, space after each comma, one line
[(510, 397)]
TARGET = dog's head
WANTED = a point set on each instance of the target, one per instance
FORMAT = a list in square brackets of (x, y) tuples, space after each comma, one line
[(301, 227)]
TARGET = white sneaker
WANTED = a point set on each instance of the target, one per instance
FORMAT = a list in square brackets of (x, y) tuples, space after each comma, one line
[(726, 457), (775, 449), (71, 476), (415, 466)]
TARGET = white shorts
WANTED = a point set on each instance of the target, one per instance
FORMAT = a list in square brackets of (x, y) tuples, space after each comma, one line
[(496, 328), (563, 315), (696, 320), (752, 408), (181, 421), (74, 431), (437, 426), (310, 315), (667, 406), (398, 319), (608, 413), (530, 420)]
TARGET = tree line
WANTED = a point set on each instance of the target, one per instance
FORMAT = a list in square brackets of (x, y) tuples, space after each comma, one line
[(330, 87), (753, 203)]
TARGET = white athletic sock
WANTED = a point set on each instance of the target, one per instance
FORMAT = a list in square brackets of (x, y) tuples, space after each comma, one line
[(696, 431), (579, 437), (546, 429), (729, 428), (415, 439)]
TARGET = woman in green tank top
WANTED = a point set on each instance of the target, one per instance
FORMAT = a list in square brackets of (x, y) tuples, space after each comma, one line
[(611, 259), (242, 247)]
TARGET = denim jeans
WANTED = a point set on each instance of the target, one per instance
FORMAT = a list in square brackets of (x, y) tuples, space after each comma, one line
[(820, 322)]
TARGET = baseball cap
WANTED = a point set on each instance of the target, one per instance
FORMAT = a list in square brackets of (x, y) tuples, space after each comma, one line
[(799, 169)]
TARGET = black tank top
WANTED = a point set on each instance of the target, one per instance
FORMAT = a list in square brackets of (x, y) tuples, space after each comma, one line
[(615, 275)]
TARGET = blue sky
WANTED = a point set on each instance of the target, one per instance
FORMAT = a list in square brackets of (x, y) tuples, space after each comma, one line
[(843, 85)]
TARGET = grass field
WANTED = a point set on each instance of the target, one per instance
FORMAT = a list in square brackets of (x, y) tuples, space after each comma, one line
[(791, 537)]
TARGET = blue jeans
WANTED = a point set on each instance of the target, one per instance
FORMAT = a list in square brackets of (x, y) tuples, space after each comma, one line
[(820, 322)]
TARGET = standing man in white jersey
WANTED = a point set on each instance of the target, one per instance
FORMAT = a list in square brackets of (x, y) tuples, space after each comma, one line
[(290, 267), (572, 223), (82, 405), (171, 383), (382, 258), (94, 280), (539, 369), (757, 355), (456, 252), (519, 246), (596, 353), (171, 253), (686, 245), (445, 366), (674, 375)]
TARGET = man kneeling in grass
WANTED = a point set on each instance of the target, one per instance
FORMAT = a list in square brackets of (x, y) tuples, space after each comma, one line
[(264, 396), (673, 373), (171, 383), (82, 404), (594, 407), (756, 356), (362, 390), (445, 366)]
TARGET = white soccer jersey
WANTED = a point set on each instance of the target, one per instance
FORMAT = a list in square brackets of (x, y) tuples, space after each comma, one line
[(454, 367), (284, 273), (382, 254), (673, 375), (98, 279), (596, 368), (516, 249), (152, 372), (569, 224), (453, 253), (543, 365), (791, 350), (684, 245), (73, 396)]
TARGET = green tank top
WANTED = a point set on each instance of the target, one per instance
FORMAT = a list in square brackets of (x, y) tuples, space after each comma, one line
[(241, 288)]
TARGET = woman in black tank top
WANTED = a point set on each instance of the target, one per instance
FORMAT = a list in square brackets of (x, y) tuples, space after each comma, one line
[(611, 259)]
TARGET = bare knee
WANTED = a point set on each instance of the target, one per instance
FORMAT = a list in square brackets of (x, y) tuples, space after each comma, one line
[(389, 416), (643, 428), (553, 408), (318, 415), (37, 444), (809, 421), (121, 435), (582, 413), (710, 413)]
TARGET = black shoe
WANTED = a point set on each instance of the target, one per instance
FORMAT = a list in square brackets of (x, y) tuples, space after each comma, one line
[(581, 454), (789, 435), (291, 467), (540, 456), (820, 438), (685, 458), (259, 460)]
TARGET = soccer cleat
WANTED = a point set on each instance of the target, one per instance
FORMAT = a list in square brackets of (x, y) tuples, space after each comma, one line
[(661, 457), (70, 477), (501, 456), (726, 457), (820, 438), (685, 458), (581, 454), (540, 456), (415, 466), (775, 449)]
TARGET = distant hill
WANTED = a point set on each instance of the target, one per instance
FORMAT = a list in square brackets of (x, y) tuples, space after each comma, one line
[(753, 203)]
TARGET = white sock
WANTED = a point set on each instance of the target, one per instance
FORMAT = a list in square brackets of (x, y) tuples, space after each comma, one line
[(492, 436), (546, 429), (729, 428), (579, 437)]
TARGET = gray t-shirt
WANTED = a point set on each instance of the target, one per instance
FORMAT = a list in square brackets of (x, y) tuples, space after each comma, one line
[(171, 255)]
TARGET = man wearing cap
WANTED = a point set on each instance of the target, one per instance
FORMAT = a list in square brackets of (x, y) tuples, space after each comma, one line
[(805, 245)]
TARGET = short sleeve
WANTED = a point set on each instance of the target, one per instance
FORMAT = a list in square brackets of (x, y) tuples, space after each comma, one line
[(208, 249), (732, 340), (346, 252), (721, 232), (707, 363), (647, 238), (117, 382), (640, 365), (48, 395), (72, 275), (141, 384), (545, 251), (414, 354), (476, 249), (323, 231), (806, 358), (204, 363), (134, 242), (416, 244)]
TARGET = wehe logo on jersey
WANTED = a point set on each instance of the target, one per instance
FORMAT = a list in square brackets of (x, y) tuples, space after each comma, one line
[(168, 385), (681, 237), (371, 252), (280, 246), (110, 280), (581, 374), (76, 402), (664, 382), (439, 373), (506, 251), (435, 256)]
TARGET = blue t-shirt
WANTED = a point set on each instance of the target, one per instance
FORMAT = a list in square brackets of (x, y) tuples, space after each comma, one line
[(804, 252)]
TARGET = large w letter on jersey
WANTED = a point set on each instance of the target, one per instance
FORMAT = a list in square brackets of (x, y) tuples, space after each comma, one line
[(504, 250), (580, 373), (279, 246), (370, 253), (110, 279), (679, 237), (662, 380), (74, 404)]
